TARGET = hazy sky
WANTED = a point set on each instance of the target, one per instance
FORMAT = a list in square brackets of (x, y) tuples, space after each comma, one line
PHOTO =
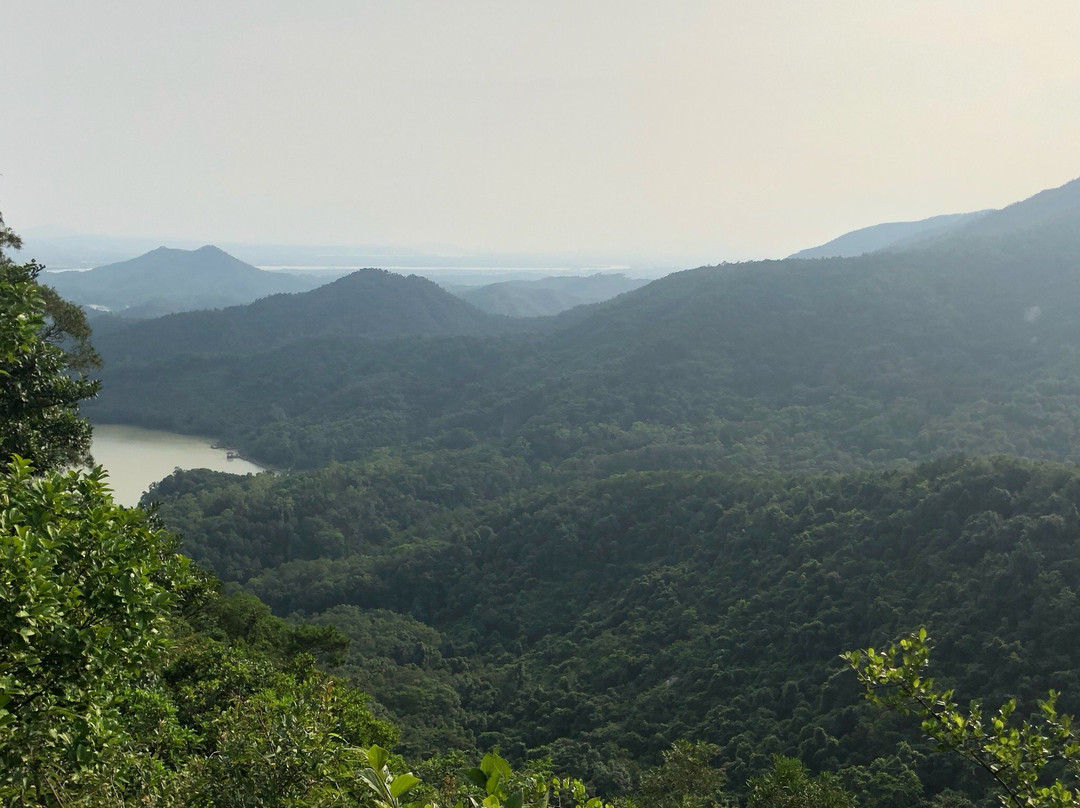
[(720, 130)]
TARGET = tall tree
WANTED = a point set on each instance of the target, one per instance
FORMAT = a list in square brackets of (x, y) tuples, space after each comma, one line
[(41, 383)]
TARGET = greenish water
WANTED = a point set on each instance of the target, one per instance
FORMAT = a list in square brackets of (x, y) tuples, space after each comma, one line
[(136, 457)]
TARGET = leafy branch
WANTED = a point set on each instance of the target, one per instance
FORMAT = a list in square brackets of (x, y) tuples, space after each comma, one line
[(1015, 753)]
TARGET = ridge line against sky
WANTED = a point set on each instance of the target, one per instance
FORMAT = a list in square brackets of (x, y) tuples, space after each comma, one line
[(705, 130)]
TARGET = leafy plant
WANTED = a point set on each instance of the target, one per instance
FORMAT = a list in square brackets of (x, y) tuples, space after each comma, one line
[(85, 590), (1018, 754), (495, 785)]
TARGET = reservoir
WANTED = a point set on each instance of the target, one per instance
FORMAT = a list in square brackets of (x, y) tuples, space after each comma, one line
[(136, 457)]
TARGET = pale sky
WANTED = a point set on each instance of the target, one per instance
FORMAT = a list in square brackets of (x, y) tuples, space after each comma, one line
[(720, 130)]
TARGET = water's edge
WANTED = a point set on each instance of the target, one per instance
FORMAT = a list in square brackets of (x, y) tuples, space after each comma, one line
[(136, 457)]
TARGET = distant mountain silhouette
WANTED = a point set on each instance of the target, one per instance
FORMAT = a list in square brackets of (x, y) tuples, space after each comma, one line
[(889, 235), (167, 280), (366, 303), (1051, 217), (547, 296), (1050, 214)]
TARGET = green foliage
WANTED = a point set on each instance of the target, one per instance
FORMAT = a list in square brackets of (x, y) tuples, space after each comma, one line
[(85, 588), (386, 787), (245, 621), (890, 781), (789, 785), (596, 622), (283, 739), (1034, 761), (106, 699), (240, 526), (494, 784), (66, 326), (685, 779), (39, 398), (533, 550)]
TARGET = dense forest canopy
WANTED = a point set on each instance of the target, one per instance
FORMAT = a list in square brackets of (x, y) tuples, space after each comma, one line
[(622, 614)]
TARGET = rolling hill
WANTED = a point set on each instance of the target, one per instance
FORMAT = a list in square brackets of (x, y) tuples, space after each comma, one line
[(547, 296)]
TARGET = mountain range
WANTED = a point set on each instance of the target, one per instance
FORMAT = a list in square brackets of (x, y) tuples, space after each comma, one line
[(1048, 211), (864, 360)]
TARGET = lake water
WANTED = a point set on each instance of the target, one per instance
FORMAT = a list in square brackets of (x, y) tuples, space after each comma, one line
[(136, 457)]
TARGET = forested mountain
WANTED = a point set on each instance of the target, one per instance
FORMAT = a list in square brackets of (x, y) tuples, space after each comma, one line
[(166, 280), (965, 345), (547, 296), (891, 235), (366, 303)]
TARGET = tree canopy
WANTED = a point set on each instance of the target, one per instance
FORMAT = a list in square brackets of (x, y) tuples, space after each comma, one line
[(41, 383)]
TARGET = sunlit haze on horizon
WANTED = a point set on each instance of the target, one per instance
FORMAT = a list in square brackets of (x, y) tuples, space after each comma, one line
[(705, 131)]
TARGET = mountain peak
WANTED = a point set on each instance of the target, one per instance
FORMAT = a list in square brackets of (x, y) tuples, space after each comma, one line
[(168, 279)]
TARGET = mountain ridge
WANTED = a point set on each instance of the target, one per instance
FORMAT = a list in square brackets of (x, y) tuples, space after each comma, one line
[(366, 303), (887, 235)]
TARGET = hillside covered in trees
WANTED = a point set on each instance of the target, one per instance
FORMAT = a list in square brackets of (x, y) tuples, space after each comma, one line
[(602, 620), (125, 677), (964, 345), (366, 303)]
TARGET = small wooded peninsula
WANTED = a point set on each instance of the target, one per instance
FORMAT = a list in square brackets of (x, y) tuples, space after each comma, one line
[(611, 556)]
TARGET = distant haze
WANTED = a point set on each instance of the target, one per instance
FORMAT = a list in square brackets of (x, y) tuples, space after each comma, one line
[(687, 132)]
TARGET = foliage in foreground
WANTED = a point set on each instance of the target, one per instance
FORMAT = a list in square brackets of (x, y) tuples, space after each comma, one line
[(790, 785), (39, 395), (1035, 761), (113, 690), (85, 590), (492, 784)]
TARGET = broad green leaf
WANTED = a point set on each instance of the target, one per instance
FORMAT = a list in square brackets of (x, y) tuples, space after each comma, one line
[(377, 757), (477, 777), (402, 783)]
